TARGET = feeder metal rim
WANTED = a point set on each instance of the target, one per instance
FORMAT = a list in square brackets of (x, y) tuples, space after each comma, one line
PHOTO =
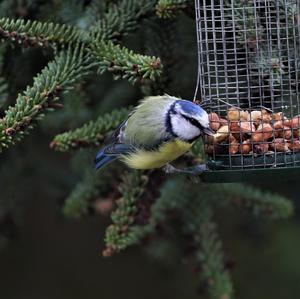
[(260, 175)]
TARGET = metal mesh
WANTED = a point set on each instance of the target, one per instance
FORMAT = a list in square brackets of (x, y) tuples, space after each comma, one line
[(249, 57)]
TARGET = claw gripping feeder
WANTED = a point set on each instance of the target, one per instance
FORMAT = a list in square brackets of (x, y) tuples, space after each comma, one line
[(249, 66)]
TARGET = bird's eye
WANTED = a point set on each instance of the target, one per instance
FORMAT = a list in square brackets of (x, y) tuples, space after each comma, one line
[(194, 122)]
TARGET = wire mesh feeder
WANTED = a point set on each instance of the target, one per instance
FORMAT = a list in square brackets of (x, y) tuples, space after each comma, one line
[(249, 66)]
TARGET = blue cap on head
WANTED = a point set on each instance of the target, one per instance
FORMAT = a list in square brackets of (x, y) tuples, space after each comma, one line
[(190, 107)]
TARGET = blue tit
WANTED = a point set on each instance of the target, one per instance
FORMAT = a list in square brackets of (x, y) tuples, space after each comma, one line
[(158, 131)]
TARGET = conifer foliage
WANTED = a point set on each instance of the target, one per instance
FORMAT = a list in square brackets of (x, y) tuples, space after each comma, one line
[(81, 41)]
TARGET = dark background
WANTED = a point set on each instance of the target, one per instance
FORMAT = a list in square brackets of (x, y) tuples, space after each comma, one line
[(44, 255), (49, 256)]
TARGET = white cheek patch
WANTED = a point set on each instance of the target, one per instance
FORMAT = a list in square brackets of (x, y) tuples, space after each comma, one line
[(183, 128)]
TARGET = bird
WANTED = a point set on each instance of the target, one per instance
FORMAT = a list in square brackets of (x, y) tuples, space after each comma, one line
[(158, 131)]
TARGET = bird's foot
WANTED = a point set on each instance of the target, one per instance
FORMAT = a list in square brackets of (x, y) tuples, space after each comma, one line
[(192, 171), (169, 169)]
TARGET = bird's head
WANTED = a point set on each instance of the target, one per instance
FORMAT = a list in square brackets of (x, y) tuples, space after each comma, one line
[(188, 121)]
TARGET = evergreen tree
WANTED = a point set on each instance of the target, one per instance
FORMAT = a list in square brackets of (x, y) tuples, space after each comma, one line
[(83, 45)]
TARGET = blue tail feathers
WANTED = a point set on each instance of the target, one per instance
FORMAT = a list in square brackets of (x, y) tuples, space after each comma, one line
[(102, 159), (112, 152)]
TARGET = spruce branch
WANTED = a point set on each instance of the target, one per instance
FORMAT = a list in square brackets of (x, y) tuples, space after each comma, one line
[(124, 63), (167, 9), (208, 255), (58, 76), (119, 235), (121, 18), (117, 22), (194, 209), (90, 134), (38, 34), (93, 191), (120, 61), (169, 200), (211, 260), (78, 202), (257, 201)]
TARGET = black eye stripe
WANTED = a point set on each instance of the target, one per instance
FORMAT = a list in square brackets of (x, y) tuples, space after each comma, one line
[(193, 121)]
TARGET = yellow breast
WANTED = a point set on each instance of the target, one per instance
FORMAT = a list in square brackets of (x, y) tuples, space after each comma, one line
[(168, 152)]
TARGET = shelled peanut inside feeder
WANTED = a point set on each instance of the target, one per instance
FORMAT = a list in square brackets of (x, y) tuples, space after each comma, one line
[(252, 133)]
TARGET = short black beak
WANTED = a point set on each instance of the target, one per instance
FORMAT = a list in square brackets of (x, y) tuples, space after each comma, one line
[(208, 131)]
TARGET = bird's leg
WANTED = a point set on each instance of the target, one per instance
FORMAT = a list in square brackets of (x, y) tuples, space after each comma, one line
[(194, 170)]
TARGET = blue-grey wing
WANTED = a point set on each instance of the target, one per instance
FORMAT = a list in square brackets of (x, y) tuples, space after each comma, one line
[(112, 152), (119, 149), (117, 136)]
